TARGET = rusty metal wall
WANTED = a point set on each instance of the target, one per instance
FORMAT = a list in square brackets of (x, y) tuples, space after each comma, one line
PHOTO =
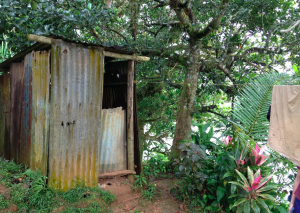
[(115, 95), (35, 115), (5, 116), (30, 103), (26, 112), (75, 109), (40, 110), (16, 91), (113, 154)]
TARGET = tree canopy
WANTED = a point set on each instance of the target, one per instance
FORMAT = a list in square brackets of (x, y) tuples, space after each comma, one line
[(202, 51)]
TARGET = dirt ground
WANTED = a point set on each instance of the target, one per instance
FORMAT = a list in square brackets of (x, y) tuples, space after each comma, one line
[(6, 193), (128, 200)]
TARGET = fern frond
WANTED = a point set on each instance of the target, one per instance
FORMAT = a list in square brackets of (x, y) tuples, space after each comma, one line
[(251, 108)]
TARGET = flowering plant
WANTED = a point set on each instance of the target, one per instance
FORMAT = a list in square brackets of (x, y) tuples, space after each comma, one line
[(259, 157), (227, 140), (254, 192)]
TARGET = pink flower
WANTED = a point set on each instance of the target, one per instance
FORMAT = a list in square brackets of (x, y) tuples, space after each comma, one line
[(260, 158), (255, 184), (241, 162), (227, 140)]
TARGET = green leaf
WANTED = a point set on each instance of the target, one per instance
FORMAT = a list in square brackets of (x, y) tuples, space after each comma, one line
[(295, 68), (267, 196), (247, 207), (220, 193), (251, 108), (232, 188), (235, 195), (240, 209), (238, 184), (255, 207), (261, 202), (257, 173), (181, 167), (250, 175), (33, 4), (243, 178), (266, 188), (227, 174), (238, 202)]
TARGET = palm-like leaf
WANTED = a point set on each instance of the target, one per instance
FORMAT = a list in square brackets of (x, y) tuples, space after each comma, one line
[(251, 108)]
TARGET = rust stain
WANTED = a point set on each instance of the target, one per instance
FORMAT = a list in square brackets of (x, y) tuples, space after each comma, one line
[(40, 110), (5, 116), (16, 86), (75, 114), (29, 106), (26, 112)]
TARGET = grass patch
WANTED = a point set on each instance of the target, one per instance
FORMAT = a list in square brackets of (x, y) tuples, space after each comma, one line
[(28, 190)]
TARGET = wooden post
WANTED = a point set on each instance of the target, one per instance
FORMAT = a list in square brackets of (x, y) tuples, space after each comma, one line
[(130, 127)]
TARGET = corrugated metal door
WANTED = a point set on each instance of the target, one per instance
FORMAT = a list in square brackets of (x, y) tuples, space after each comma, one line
[(5, 116), (75, 124), (113, 141), (16, 87)]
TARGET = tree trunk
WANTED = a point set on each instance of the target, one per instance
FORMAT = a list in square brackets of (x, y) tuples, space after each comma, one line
[(186, 101)]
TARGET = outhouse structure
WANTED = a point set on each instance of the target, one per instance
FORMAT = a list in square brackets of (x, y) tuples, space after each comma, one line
[(69, 110)]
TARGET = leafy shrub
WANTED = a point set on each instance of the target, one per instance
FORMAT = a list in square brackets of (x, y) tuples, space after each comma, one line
[(148, 190), (208, 178), (158, 164), (253, 192)]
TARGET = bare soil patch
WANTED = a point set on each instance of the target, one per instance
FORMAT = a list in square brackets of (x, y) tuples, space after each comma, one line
[(128, 200)]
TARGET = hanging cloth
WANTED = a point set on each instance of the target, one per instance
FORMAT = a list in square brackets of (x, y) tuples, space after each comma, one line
[(284, 132)]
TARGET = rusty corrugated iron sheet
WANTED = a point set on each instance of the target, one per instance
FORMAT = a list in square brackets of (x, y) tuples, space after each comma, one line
[(30, 101), (5, 116), (75, 109), (115, 95), (4, 66), (26, 112), (40, 110), (113, 154), (35, 115), (16, 91)]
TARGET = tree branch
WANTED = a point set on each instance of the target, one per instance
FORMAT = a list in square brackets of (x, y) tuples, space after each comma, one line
[(223, 116), (292, 27), (257, 49), (214, 24), (223, 68), (107, 28), (95, 34), (178, 7), (150, 120), (160, 4)]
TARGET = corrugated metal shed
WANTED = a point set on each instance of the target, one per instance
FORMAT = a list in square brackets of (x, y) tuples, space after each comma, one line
[(16, 92), (57, 126), (76, 104), (113, 152), (5, 116), (115, 95)]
